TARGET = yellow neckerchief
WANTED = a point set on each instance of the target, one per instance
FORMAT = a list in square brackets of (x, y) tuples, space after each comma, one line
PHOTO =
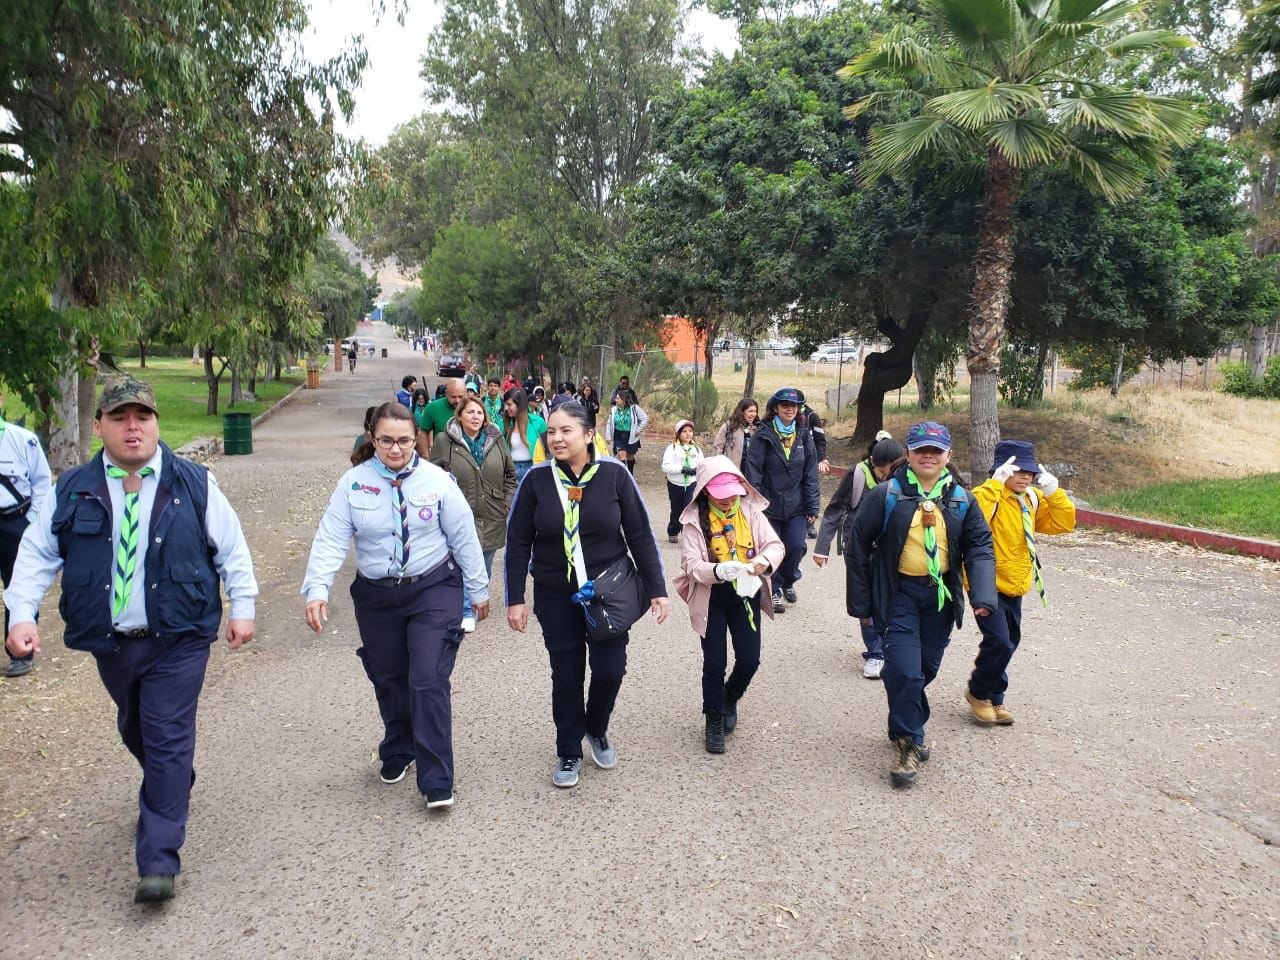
[(730, 534)]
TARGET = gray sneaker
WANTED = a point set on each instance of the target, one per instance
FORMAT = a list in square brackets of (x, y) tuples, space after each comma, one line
[(18, 668), (602, 752), (566, 772)]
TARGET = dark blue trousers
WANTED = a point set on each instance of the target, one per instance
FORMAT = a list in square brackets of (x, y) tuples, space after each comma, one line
[(409, 636), (793, 533), (156, 689), (1001, 634), (872, 641), (727, 613), (564, 632), (917, 637), (11, 530), (679, 498)]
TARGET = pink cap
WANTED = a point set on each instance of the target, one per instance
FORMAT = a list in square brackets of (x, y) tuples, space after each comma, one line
[(725, 485)]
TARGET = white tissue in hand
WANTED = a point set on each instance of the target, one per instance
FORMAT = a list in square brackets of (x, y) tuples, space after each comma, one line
[(748, 585)]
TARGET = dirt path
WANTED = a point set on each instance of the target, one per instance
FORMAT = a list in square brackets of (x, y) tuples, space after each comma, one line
[(1131, 811)]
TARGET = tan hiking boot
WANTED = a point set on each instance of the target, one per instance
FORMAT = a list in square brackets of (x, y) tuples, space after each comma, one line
[(982, 710), (906, 764), (1003, 716)]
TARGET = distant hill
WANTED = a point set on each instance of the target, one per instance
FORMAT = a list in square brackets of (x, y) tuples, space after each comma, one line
[(388, 273)]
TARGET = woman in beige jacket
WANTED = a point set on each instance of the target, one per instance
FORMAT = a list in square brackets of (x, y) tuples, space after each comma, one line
[(735, 433), (728, 549)]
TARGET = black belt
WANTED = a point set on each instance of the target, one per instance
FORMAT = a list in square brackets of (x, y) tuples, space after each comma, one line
[(140, 634), (911, 579), (392, 581)]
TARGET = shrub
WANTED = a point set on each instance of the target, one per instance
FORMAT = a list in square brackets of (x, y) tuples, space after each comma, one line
[(1237, 382)]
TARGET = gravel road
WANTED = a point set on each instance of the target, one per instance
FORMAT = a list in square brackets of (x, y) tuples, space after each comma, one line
[(1132, 811)]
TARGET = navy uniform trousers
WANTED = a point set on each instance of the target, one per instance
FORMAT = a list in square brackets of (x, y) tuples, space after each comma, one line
[(914, 643), (11, 530), (156, 688), (409, 636), (564, 632)]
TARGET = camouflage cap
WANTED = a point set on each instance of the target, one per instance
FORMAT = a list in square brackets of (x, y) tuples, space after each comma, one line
[(126, 390)]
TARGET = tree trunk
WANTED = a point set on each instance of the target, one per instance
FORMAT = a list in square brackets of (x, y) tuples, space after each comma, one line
[(196, 355), (1037, 391), (1117, 378), (142, 354), (211, 380), (888, 371), (1255, 352), (926, 383), (989, 308), (237, 396), (64, 406), (749, 387)]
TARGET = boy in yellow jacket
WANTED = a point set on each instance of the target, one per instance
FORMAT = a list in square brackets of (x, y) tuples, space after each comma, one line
[(1016, 511)]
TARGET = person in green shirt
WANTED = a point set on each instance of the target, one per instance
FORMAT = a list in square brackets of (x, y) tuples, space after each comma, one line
[(438, 414), (493, 401)]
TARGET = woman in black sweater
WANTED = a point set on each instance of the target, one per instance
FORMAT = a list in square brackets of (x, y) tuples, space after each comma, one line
[(608, 503)]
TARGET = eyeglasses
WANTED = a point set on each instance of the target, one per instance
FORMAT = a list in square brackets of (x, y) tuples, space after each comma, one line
[(386, 443)]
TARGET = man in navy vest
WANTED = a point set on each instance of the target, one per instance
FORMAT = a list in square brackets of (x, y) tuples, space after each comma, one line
[(142, 538)]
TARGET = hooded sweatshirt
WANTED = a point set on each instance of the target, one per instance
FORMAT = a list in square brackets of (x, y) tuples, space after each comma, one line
[(677, 455), (697, 569)]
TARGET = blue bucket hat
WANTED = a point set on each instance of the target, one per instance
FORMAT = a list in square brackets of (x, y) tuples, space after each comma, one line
[(928, 434), (1023, 453), (787, 395)]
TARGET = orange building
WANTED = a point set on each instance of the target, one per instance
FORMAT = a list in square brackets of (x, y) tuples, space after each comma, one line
[(680, 341)]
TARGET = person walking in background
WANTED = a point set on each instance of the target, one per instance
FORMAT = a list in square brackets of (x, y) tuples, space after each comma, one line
[(680, 466), (910, 537), (474, 451), (365, 436), (421, 400), (883, 457), (142, 538), (564, 393), (521, 428), (416, 546), (1015, 511), (624, 386), (538, 403), (404, 396), (25, 481), (493, 401), (624, 427), (575, 503), (728, 549), (353, 351), (782, 464), (734, 435), (809, 417), (589, 400), (439, 412)]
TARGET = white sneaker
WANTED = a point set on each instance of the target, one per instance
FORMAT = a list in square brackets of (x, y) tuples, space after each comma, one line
[(872, 667), (468, 624)]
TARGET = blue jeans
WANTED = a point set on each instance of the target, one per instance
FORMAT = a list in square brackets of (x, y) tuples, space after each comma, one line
[(917, 637), (488, 572), (1001, 634)]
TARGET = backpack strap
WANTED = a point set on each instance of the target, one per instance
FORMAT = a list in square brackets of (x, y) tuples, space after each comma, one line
[(891, 498)]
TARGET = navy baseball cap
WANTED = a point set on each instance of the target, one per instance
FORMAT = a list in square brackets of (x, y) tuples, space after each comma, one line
[(788, 395), (1023, 453), (928, 434)]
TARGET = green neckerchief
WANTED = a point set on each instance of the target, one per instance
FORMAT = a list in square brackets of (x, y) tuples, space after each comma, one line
[(1028, 530), (571, 511), (127, 552), (688, 450), (930, 536)]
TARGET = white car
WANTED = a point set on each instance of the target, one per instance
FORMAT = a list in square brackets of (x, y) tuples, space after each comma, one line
[(835, 353)]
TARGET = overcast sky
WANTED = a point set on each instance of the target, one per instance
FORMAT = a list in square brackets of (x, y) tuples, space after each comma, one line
[(391, 91)]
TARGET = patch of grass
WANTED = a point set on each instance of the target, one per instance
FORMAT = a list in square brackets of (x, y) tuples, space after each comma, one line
[(181, 394), (1249, 506)]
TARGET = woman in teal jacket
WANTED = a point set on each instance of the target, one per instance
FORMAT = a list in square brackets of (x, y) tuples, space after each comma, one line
[(522, 429)]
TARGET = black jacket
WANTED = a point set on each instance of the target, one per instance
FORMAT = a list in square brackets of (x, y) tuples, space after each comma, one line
[(809, 417), (612, 519), (790, 483), (874, 550)]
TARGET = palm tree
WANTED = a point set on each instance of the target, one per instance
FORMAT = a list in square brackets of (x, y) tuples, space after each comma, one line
[(1007, 85), (1261, 38)]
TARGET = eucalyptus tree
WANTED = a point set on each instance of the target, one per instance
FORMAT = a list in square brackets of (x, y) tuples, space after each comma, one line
[(1010, 86)]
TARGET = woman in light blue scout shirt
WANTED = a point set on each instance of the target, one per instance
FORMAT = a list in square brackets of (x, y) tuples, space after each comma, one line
[(416, 542)]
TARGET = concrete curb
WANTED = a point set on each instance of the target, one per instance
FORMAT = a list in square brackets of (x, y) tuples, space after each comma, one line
[(1159, 530), (205, 448)]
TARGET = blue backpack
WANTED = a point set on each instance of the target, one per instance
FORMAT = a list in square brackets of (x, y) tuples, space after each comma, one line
[(958, 496)]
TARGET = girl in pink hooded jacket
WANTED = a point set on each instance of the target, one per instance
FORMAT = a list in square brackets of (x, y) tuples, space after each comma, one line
[(728, 550)]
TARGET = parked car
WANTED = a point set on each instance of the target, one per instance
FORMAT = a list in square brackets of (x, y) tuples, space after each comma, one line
[(451, 365), (835, 353)]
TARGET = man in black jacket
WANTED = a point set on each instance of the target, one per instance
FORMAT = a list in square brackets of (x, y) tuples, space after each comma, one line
[(782, 463), (908, 540), (809, 417)]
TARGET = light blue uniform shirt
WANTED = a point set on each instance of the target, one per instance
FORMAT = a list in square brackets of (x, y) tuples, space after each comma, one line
[(23, 462), (363, 509), (39, 562)]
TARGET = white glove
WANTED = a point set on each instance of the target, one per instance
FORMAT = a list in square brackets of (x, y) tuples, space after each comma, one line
[(1005, 470), (1047, 481), (730, 570)]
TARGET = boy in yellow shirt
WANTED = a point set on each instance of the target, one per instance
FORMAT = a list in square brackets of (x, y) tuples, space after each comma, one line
[(1016, 511)]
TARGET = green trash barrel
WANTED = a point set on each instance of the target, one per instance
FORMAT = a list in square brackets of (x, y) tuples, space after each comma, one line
[(237, 433), (737, 368)]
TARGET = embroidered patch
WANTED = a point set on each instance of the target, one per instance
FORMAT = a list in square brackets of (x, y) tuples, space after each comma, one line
[(364, 487), (426, 514)]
